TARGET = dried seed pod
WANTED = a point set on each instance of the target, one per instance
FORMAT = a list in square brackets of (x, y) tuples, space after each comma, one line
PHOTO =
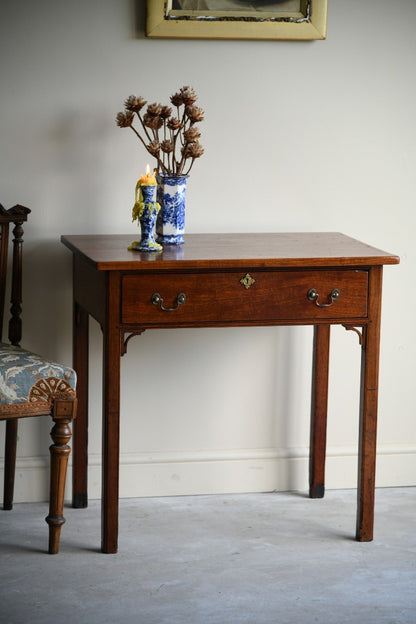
[(194, 113), (134, 103), (166, 146), (124, 120)]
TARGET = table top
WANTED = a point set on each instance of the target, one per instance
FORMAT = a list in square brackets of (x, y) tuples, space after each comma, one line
[(108, 252)]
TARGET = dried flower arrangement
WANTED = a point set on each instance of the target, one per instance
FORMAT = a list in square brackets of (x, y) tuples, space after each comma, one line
[(172, 140)]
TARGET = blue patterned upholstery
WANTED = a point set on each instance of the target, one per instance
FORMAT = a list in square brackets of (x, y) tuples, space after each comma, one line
[(28, 379)]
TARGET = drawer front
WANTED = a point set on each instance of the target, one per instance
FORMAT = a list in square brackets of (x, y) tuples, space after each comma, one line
[(243, 297)]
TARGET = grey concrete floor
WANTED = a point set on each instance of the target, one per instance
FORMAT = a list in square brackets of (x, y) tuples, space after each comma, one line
[(253, 558)]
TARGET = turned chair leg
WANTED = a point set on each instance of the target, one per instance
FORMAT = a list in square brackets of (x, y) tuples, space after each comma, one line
[(63, 413), (9, 462)]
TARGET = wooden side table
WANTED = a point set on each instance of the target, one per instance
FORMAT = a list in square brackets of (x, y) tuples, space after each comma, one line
[(227, 280)]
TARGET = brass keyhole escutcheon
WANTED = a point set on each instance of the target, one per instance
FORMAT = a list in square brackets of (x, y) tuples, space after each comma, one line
[(247, 281)]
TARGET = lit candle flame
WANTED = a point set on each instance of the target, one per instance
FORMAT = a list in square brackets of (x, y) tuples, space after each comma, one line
[(148, 179)]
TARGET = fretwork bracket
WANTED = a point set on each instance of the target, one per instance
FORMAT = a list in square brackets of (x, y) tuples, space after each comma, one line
[(124, 341), (360, 333)]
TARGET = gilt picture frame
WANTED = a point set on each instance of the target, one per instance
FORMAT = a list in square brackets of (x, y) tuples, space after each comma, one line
[(237, 19)]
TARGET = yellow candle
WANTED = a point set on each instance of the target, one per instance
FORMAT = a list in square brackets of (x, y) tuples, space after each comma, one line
[(147, 179)]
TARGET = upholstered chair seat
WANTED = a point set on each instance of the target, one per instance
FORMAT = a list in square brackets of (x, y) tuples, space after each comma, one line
[(30, 382)]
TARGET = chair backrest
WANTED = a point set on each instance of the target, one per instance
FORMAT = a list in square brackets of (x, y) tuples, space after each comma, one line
[(16, 215)]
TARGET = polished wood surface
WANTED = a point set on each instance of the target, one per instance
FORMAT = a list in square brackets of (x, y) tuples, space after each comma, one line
[(109, 252), (227, 280)]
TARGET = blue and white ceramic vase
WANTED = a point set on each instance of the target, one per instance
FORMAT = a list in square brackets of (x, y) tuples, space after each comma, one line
[(170, 224), (147, 210)]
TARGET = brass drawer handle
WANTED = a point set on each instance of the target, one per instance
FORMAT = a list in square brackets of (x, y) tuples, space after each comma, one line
[(313, 295), (157, 300)]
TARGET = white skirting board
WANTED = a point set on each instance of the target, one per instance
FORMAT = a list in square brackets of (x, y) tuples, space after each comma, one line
[(260, 470)]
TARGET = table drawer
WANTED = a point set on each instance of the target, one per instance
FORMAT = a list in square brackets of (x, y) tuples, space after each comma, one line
[(263, 296)]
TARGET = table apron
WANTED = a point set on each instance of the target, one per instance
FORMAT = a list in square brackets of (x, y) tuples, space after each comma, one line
[(244, 298)]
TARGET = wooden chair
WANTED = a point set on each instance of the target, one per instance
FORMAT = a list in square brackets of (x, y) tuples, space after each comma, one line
[(30, 385)]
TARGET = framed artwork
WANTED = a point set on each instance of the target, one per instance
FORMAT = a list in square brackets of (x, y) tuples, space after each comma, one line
[(237, 19)]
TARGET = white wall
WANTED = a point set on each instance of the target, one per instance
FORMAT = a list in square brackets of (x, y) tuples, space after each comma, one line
[(306, 136)]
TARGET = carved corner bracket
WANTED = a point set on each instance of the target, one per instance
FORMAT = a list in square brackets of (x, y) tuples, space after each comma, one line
[(360, 334), (125, 340)]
